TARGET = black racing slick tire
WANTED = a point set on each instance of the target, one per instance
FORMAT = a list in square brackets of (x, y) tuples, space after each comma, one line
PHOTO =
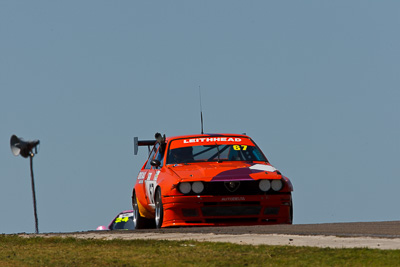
[(139, 222), (159, 209)]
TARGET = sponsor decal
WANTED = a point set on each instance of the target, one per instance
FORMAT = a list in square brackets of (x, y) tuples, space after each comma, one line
[(233, 199), (130, 214), (140, 182), (261, 167), (149, 176), (122, 219), (156, 176), (212, 140), (141, 175)]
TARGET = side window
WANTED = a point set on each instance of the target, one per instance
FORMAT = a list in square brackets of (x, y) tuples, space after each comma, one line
[(148, 166), (160, 154)]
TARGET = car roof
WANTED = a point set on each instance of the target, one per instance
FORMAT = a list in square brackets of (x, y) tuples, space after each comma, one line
[(170, 138), (125, 211)]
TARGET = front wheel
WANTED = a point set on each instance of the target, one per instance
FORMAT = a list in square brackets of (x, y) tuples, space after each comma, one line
[(159, 214), (138, 220)]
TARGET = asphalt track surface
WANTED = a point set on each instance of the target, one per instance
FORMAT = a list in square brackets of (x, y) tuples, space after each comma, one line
[(378, 235), (357, 229)]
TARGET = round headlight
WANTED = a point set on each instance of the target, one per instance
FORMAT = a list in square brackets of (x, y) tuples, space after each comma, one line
[(264, 185), (197, 187), (276, 185), (185, 188)]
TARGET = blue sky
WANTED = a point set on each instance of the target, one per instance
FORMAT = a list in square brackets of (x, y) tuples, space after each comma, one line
[(314, 83)]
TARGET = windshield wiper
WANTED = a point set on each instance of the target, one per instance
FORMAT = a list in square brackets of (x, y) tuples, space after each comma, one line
[(219, 159)]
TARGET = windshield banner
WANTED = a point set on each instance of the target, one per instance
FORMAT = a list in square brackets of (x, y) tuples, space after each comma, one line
[(206, 141)]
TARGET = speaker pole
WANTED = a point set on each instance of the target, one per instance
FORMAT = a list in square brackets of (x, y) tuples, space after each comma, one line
[(24, 148), (34, 195)]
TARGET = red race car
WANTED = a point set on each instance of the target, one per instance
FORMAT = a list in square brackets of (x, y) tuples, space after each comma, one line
[(208, 180)]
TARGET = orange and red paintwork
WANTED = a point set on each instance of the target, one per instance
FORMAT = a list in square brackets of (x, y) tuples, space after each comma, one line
[(245, 208)]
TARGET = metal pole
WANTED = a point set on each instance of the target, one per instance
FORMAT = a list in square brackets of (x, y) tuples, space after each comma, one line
[(33, 194)]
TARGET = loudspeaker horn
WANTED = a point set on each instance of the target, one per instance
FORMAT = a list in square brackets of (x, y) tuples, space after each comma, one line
[(21, 147)]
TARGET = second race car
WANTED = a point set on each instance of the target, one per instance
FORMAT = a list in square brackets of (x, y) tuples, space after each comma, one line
[(123, 221)]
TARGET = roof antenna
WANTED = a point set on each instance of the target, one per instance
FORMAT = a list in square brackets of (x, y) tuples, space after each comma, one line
[(201, 112)]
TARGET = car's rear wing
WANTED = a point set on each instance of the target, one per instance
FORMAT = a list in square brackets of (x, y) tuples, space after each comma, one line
[(137, 143)]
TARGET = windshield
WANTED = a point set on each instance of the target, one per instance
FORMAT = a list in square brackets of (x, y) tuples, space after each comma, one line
[(123, 222), (229, 152)]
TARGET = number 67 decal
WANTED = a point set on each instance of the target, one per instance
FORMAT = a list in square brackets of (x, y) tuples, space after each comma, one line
[(239, 147)]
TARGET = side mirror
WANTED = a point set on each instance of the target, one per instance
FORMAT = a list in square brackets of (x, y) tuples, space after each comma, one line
[(155, 163)]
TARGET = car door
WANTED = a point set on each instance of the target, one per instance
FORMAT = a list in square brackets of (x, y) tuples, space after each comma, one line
[(150, 178)]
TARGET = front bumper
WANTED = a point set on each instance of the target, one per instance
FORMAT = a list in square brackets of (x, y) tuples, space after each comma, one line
[(227, 210)]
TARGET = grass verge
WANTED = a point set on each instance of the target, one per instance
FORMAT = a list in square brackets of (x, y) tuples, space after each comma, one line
[(38, 251)]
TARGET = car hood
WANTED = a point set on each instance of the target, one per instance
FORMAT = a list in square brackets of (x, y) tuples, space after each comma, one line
[(225, 171)]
